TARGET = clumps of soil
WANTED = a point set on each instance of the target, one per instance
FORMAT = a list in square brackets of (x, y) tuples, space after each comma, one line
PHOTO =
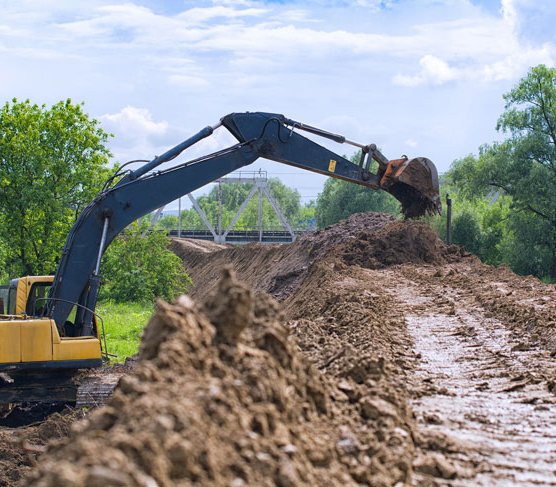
[(19, 448), (346, 230), (357, 337), (399, 242), (222, 396)]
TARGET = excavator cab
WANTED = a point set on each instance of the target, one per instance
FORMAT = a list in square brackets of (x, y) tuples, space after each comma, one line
[(31, 346), (31, 340)]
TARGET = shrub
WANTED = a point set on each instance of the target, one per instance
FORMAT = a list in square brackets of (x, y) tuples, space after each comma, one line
[(139, 267)]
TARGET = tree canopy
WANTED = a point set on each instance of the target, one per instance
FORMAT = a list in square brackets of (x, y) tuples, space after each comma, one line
[(53, 161), (139, 267), (522, 169)]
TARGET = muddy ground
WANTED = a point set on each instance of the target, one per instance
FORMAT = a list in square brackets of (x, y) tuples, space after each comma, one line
[(386, 359)]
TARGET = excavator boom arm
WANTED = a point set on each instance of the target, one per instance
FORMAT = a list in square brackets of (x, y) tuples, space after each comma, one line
[(139, 192)]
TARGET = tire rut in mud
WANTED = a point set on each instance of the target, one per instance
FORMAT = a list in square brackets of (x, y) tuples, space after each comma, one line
[(485, 401)]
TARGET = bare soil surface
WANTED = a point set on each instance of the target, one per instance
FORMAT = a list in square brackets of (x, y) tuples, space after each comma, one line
[(388, 359), (484, 395)]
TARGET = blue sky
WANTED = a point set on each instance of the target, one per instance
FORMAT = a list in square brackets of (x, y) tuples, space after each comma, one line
[(419, 77)]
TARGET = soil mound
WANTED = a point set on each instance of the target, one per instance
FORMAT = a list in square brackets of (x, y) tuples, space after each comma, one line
[(399, 242), (220, 396), (346, 231), (372, 240)]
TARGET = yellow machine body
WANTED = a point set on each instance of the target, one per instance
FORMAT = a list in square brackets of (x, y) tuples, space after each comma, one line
[(32, 342)]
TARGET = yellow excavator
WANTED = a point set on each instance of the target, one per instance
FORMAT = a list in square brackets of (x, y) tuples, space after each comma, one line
[(48, 325)]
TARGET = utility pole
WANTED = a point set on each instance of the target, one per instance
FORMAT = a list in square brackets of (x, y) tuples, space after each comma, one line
[(219, 229), (260, 215), (179, 217), (448, 219)]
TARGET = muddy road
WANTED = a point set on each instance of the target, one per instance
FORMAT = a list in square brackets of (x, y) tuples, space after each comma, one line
[(484, 394), (385, 358)]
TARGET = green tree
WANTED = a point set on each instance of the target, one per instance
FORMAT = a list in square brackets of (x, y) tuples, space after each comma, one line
[(524, 168), (479, 221), (53, 161), (138, 266), (466, 231), (167, 222), (307, 216), (4, 276)]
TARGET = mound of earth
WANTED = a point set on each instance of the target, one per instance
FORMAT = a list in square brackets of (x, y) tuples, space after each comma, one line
[(370, 239), (399, 242), (221, 395)]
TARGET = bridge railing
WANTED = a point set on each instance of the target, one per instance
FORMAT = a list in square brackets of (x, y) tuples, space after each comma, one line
[(241, 236)]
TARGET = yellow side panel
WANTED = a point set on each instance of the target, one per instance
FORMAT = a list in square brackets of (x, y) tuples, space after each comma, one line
[(55, 334), (10, 342), (21, 299), (36, 341), (77, 349)]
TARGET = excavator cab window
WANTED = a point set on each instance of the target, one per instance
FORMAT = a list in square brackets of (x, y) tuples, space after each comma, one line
[(36, 299), (3, 300), (12, 297)]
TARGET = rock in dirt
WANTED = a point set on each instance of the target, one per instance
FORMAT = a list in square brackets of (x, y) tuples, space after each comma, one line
[(436, 465)]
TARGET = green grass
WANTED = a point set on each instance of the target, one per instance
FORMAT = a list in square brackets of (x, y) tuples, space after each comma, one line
[(124, 323)]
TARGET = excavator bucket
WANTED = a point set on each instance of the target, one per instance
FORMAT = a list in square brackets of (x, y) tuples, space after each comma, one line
[(414, 183)]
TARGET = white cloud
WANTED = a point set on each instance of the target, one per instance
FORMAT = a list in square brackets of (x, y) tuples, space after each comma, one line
[(515, 65), (434, 71), (375, 5), (235, 3), (201, 15), (296, 15), (509, 13), (135, 122), (185, 80)]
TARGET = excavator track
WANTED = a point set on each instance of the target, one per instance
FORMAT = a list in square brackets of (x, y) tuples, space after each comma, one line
[(95, 390), (30, 397)]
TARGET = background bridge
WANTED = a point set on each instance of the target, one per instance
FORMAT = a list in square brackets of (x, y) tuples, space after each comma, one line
[(217, 233)]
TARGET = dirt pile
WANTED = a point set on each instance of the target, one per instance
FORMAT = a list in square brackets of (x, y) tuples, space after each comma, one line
[(222, 396), (399, 242), (20, 447), (372, 240)]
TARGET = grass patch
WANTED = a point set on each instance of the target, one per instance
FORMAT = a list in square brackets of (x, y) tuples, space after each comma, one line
[(124, 323)]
